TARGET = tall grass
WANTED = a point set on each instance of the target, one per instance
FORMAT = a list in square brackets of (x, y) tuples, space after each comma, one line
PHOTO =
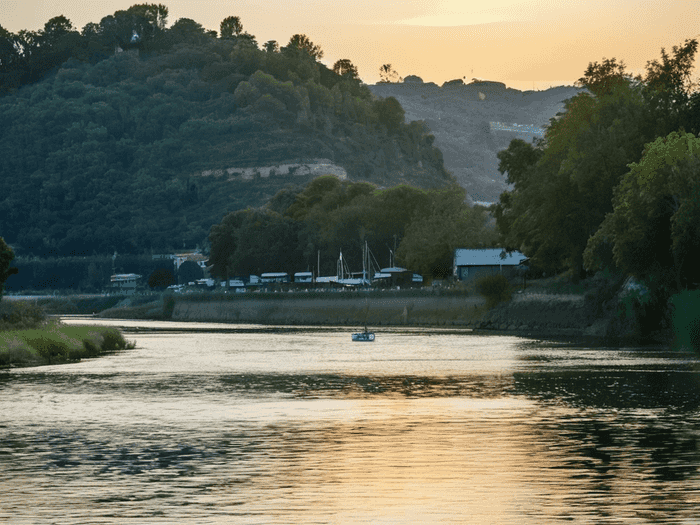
[(57, 343)]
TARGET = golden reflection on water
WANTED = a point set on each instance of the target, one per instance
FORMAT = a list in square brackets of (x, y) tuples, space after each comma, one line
[(262, 426)]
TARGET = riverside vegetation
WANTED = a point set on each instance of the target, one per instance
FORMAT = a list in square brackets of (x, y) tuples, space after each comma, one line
[(29, 338)]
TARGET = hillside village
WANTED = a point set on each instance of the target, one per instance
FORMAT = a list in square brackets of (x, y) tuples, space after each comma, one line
[(468, 265)]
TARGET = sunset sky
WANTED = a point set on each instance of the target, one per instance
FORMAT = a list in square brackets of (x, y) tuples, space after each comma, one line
[(525, 43)]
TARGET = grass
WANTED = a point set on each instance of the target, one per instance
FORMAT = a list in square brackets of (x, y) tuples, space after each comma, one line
[(28, 339)]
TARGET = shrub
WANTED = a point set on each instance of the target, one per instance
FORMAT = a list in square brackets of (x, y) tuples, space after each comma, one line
[(17, 315), (168, 305), (113, 340), (494, 288), (15, 352), (686, 319), (53, 345)]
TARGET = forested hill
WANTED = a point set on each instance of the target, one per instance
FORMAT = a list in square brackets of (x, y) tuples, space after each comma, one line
[(473, 122), (144, 148)]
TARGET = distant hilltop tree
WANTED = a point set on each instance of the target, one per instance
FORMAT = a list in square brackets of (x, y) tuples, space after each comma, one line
[(388, 74), (413, 78), (303, 43), (345, 68), (231, 27)]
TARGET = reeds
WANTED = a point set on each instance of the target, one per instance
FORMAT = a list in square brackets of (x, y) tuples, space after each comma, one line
[(57, 343)]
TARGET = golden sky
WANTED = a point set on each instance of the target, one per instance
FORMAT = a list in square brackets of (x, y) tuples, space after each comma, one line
[(524, 43)]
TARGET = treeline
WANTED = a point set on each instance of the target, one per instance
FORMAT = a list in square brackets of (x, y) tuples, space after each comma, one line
[(86, 274), (329, 216), (615, 183), (106, 132)]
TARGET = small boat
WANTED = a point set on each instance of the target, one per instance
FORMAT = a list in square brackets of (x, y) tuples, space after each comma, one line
[(365, 336)]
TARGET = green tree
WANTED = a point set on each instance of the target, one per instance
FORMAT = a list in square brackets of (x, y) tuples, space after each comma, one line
[(390, 113), (654, 229), (189, 271), (388, 74), (431, 238), (563, 186), (345, 68), (271, 46), (6, 256), (231, 27), (303, 43), (604, 78), (161, 278), (187, 30)]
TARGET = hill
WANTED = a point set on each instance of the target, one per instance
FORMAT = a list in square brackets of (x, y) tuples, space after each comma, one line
[(473, 122), (143, 150)]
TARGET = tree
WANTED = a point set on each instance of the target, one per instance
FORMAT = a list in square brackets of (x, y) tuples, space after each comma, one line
[(161, 278), (6, 256), (345, 68), (230, 27), (303, 43), (271, 46), (390, 113), (602, 79), (189, 271), (654, 229), (563, 186), (187, 30), (388, 74)]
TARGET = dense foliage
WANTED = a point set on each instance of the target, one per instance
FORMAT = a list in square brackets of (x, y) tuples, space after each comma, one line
[(615, 184), (6, 256), (119, 137), (585, 169), (80, 274), (329, 216)]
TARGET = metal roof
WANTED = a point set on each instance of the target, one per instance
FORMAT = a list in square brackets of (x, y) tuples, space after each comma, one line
[(487, 257)]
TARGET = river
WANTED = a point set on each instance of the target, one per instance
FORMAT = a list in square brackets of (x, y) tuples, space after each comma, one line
[(212, 423)]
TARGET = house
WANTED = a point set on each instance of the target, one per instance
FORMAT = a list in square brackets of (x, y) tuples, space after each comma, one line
[(303, 277), (124, 282), (274, 277), (471, 263), (396, 276)]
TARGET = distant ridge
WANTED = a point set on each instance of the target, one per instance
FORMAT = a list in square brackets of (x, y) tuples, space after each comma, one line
[(473, 122)]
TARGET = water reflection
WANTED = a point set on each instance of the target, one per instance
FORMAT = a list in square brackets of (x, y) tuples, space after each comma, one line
[(262, 426)]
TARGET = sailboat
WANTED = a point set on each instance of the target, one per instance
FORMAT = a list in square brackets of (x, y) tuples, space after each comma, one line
[(365, 336)]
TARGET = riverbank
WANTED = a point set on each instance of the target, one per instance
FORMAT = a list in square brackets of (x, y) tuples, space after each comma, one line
[(55, 343), (600, 309), (29, 338), (534, 314)]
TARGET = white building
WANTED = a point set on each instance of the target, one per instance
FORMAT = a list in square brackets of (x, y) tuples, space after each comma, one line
[(124, 282)]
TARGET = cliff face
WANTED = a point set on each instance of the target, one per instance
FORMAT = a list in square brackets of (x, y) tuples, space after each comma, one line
[(473, 122)]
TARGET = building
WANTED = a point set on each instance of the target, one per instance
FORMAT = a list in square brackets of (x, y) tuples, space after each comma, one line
[(274, 277), (303, 277), (469, 264), (124, 282), (396, 276)]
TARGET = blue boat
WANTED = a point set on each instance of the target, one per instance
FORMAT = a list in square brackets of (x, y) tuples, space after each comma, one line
[(366, 336)]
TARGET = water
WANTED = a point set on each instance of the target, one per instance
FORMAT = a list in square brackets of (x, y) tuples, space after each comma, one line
[(205, 423)]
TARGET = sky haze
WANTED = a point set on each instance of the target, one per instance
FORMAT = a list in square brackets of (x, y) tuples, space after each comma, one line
[(525, 43)]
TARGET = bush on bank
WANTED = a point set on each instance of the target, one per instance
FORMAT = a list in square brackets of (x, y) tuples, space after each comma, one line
[(494, 288), (28, 338), (685, 314), (57, 343)]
